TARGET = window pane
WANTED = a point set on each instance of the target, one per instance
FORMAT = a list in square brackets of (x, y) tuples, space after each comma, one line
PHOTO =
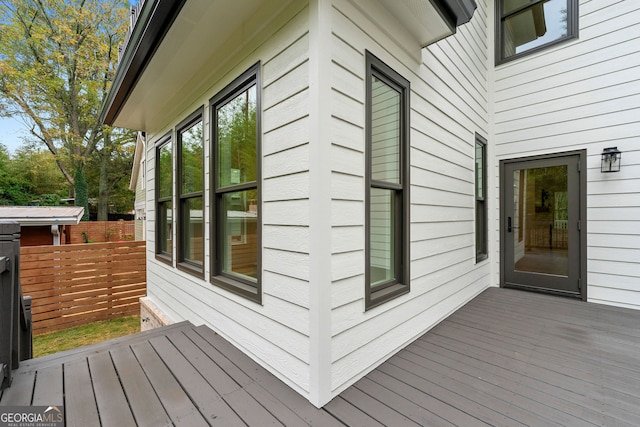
[(540, 24), (385, 132), (165, 172), (191, 155), (382, 232), (239, 230), (193, 229), (165, 228), (481, 236), (509, 5), (479, 170), (236, 124)]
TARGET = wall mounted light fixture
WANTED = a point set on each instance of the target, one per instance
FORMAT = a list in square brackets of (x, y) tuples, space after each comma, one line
[(611, 159)]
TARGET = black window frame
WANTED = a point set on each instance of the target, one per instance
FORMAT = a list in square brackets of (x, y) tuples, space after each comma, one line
[(166, 257), (572, 29), (399, 285), (183, 263), (235, 284), (482, 252)]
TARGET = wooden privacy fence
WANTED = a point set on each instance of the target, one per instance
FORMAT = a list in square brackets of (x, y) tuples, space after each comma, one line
[(100, 231), (71, 285)]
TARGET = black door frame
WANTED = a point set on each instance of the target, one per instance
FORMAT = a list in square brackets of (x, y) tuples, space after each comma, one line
[(582, 191)]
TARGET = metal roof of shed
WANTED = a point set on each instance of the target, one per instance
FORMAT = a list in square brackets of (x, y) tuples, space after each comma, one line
[(42, 215)]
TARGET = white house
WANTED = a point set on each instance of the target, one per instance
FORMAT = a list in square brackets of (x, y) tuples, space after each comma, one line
[(138, 183), (366, 167)]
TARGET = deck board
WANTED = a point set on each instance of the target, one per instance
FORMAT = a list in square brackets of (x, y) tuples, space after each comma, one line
[(80, 407), (507, 358), (176, 402), (110, 397), (145, 405), (205, 398), (48, 389)]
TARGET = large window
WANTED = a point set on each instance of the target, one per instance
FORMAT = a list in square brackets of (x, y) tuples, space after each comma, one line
[(190, 195), (164, 200), (481, 197), (526, 26), (235, 118), (387, 193)]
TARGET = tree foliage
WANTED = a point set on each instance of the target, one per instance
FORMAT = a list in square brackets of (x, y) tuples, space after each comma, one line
[(14, 189), (82, 193), (57, 59)]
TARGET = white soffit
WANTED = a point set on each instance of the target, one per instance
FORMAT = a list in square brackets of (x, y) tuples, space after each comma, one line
[(202, 28), (420, 18)]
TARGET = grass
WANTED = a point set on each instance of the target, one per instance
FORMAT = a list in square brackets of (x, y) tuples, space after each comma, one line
[(65, 339)]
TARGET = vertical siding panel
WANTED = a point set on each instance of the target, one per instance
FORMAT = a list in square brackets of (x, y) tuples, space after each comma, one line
[(276, 333), (449, 103)]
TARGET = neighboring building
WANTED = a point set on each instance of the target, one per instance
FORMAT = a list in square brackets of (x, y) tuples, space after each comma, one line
[(138, 184), (42, 225), (361, 180)]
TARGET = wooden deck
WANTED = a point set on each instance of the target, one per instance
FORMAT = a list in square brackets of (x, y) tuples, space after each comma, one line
[(506, 358)]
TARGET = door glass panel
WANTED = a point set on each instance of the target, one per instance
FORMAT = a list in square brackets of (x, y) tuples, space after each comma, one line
[(540, 214)]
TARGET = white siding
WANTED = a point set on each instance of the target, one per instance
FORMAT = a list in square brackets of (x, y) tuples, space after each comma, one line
[(585, 94), (448, 105), (276, 333)]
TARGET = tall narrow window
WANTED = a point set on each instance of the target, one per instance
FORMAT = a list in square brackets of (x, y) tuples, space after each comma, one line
[(164, 200), (387, 194), (236, 187), (526, 26), (190, 195), (481, 197)]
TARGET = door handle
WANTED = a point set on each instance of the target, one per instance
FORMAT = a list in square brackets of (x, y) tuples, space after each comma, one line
[(509, 227)]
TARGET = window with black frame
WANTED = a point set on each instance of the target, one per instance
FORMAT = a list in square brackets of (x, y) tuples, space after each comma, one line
[(236, 225), (481, 197), (527, 26), (164, 200), (387, 191), (190, 194)]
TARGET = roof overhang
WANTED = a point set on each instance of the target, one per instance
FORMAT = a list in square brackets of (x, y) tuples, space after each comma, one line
[(176, 46), (431, 20), (153, 23), (42, 215)]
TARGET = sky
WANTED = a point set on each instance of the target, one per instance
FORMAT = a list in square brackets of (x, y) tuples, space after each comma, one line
[(11, 131)]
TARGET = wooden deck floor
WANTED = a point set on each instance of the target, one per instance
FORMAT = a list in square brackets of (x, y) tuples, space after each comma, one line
[(506, 358)]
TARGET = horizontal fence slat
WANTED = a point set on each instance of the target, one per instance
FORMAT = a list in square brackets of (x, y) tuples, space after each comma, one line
[(87, 310), (71, 285), (87, 298)]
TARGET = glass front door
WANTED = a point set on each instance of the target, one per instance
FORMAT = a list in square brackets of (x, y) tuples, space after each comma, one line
[(541, 209)]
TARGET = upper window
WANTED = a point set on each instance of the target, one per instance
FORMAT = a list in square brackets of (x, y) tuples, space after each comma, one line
[(164, 200), (190, 194), (527, 26), (481, 198), (236, 186), (387, 192)]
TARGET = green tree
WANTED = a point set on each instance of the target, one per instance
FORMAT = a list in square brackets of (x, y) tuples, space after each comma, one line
[(14, 189), (109, 172), (37, 167), (82, 195), (57, 59)]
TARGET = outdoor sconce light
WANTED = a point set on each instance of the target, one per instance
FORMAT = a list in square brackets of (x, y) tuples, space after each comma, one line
[(610, 160)]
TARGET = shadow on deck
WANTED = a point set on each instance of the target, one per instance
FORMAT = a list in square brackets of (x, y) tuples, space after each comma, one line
[(506, 358)]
